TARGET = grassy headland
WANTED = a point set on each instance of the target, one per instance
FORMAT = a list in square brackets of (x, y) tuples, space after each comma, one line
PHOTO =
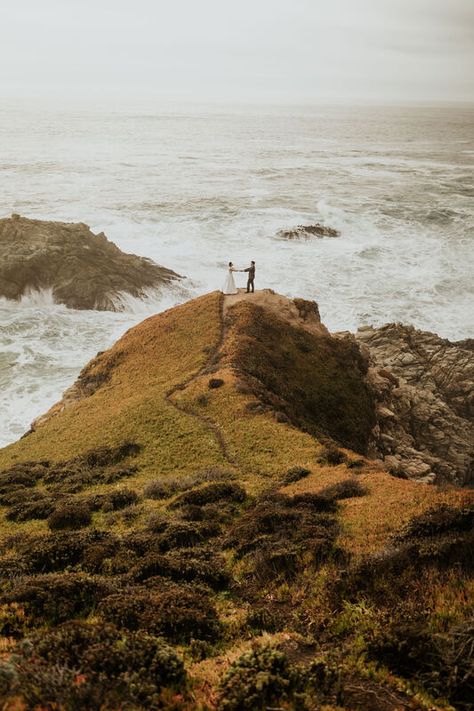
[(200, 528)]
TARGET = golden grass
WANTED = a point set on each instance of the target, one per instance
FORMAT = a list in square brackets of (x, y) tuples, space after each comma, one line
[(155, 356)]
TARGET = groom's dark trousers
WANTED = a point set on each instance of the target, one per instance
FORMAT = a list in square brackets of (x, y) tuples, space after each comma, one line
[(251, 279)]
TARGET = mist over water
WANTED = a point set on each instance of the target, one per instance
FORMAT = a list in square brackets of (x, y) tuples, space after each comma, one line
[(195, 188)]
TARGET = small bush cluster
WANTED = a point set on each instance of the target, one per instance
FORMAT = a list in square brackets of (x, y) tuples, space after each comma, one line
[(211, 493), (58, 597), (264, 678), (346, 489), (404, 641), (70, 515), (177, 613), (166, 486), (295, 474), (186, 535), (112, 500), (437, 521), (25, 475), (79, 665), (188, 565), (221, 512), (39, 507), (278, 531), (215, 383), (58, 551), (14, 622), (331, 454)]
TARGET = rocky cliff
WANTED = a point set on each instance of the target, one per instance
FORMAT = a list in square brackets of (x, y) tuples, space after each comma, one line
[(424, 390), (84, 270)]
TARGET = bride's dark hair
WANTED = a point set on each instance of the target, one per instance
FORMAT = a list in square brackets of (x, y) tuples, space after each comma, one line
[(230, 264)]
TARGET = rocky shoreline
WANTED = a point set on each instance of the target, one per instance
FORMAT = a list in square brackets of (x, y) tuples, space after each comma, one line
[(424, 391)]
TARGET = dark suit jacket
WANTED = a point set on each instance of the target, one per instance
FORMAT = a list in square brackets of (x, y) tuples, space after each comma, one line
[(251, 271)]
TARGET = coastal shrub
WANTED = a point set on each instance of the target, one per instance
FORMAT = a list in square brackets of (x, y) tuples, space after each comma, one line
[(262, 620), (331, 454), (156, 523), (272, 559), (126, 516), (11, 568), (79, 665), (436, 521), (295, 474), (58, 597), (13, 620), (142, 541), (380, 574), (186, 535), (279, 535), (47, 554), (165, 486), (97, 466), (314, 502), (97, 553), (107, 456), (188, 565), (20, 495), (71, 515), (222, 512), (215, 383), (162, 488), (443, 661), (264, 678), (260, 678), (57, 551), (355, 464), (40, 508), (176, 613), (110, 501), (345, 489), (210, 493), (26, 475)]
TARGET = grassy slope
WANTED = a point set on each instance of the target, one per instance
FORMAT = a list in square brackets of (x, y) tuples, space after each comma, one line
[(160, 353), (261, 357)]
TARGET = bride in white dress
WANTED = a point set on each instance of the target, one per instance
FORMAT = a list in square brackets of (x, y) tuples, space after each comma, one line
[(229, 286)]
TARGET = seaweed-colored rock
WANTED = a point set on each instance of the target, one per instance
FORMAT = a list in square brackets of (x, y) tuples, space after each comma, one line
[(84, 270)]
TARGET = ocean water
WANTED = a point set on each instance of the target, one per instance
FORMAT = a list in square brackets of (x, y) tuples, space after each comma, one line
[(195, 187)]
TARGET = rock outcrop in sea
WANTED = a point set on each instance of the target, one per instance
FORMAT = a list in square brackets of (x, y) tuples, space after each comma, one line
[(306, 231), (83, 269)]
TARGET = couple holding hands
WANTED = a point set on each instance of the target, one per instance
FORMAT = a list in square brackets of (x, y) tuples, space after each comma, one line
[(229, 286)]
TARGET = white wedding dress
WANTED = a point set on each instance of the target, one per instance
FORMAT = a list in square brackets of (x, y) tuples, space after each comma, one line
[(229, 286)]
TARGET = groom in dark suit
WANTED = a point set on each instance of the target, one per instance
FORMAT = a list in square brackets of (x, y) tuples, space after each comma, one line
[(251, 277)]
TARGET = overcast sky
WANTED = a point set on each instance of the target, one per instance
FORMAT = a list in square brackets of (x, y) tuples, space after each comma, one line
[(281, 51)]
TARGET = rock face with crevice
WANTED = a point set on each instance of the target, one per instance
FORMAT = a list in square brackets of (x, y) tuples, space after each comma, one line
[(84, 270), (424, 389)]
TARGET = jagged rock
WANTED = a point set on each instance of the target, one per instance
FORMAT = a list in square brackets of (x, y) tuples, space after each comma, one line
[(305, 231), (424, 386), (84, 270)]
